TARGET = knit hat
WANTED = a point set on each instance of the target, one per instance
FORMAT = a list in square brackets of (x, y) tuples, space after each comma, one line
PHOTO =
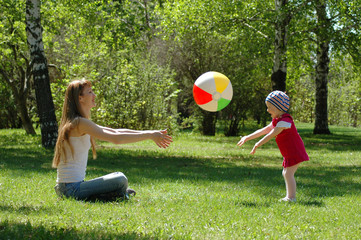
[(279, 99)]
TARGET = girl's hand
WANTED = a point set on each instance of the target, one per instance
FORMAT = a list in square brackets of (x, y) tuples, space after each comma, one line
[(254, 149), (161, 138), (242, 141)]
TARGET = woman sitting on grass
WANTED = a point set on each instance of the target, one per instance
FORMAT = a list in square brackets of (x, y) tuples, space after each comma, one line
[(76, 134)]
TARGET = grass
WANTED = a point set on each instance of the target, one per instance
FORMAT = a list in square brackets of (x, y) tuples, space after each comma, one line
[(199, 188)]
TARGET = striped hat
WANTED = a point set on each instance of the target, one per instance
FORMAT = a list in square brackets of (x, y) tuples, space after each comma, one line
[(280, 100)]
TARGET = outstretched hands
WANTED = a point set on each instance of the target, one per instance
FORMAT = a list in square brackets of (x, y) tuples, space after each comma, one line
[(254, 149), (244, 140), (161, 138)]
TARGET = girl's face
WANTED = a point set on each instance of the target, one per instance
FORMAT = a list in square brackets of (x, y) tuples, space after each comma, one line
[(275, 112), (87, 98)]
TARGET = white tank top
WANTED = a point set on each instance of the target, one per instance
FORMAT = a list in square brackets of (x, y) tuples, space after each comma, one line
[(73, 170)]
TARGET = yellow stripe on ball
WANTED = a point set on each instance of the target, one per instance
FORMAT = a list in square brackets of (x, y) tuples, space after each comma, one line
[(221, 81)]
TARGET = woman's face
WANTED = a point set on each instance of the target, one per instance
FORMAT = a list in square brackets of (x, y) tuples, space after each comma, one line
[(87, 97)]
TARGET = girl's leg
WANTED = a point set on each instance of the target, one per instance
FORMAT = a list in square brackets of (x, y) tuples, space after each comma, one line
[(289, 176), (114, 183)]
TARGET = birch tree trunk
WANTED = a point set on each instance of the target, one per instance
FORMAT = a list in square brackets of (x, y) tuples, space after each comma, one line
[(44, 100), (279, 70), (322, 69)]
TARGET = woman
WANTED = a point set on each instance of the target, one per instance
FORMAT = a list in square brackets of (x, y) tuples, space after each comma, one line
[(77, 134)]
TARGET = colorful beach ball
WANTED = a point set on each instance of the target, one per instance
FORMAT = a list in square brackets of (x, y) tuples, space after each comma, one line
[(212, 91)]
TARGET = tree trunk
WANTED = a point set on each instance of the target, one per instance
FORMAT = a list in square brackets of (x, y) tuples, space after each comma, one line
[(24, 115), (233, 127), (322, 69), (44, 100), (279, 70), (20, 92), (209, 123)]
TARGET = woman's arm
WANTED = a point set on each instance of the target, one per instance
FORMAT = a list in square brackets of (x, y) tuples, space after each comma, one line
[(119, 130), (86, 126), (256, 134)]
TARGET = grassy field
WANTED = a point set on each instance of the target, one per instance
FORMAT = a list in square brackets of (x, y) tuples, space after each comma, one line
[(199, 188)]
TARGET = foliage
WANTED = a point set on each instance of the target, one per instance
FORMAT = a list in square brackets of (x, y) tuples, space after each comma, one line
[(212, 36), (345, 93), (8, 114), (107, 48), (138, 94), (199, 188), (15, 65), (342, 31), (161, 47)]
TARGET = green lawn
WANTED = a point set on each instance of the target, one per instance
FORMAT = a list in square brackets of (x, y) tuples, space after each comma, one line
[(199, 188)]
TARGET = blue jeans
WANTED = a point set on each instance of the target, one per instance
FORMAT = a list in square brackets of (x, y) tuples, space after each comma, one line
[(114, 184)]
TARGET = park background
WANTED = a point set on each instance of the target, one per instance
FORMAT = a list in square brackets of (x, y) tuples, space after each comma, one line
[(143, 57)]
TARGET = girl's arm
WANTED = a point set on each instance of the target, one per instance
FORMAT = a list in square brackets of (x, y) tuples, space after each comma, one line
[(256, 134), (273, 133), (86, 126)]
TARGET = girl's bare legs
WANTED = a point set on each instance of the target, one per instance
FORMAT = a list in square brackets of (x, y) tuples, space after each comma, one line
[(289, 176)]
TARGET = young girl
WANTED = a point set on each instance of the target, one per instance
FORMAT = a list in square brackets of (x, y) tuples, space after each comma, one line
[(288, 140), (76, 135)]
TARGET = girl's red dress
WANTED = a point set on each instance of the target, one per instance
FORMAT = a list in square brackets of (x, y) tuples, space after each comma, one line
[(290, 143)]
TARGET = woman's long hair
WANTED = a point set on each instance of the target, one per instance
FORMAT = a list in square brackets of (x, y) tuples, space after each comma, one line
[(70, 120)]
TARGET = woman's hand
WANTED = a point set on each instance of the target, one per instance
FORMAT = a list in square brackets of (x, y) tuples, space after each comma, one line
[(161, 138)]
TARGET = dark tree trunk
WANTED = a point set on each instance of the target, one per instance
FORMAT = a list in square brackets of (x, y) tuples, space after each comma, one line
[(321, 110), (322, 69), (235, 114), (44, 100), (24, 115), (233, 127), (279, 80), (279, 70), (209, 123), (20, 91)]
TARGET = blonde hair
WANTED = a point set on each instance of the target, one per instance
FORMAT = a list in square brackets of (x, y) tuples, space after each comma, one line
[(70, 120)]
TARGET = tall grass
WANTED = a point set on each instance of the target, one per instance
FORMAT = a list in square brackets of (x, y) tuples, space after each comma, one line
[(199, 188)]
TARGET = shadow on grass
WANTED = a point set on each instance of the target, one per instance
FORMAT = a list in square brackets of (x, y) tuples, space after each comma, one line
[(25, 160), (149, 166), (334, 142), (10, 230), (313, 203), (325, 181), (24, 209), (313, 181), (249, 204)]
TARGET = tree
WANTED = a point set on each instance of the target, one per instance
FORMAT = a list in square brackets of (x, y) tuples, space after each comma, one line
[(217, 36), (322, 67), (45, 105), (20, 93), (8, 113), (279, 70), (15, 67), (338, 25), (344, 91)]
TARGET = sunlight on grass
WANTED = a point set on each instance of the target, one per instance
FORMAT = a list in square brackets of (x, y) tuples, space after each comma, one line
[(199, 188)]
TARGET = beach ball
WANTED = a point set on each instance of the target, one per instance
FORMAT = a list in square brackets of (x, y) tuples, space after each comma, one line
[(212, 91)]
